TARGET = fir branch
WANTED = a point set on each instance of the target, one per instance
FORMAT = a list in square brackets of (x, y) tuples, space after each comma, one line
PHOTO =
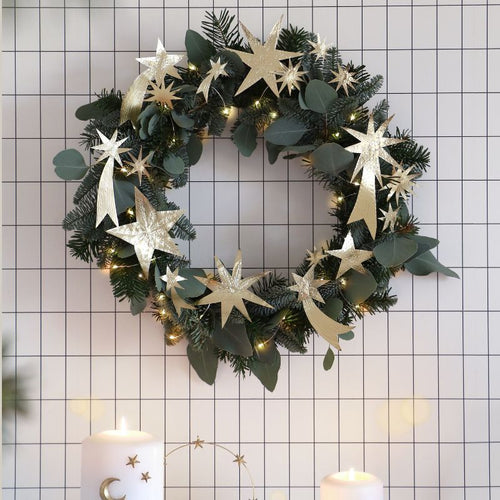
[(221, 30)]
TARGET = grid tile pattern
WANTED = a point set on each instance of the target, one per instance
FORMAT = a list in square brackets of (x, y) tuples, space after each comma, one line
[(415, 398)]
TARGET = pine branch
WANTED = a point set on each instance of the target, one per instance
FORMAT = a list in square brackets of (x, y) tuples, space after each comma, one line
[(222, 31)]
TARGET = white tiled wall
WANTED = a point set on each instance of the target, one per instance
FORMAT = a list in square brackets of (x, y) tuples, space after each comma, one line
[(415, 398)]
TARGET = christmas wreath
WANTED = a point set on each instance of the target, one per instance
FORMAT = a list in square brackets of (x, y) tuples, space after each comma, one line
[(296, 91)]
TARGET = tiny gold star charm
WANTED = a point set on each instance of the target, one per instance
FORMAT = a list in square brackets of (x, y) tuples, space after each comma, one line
[(315, 256), (163, 95), (343, 78), (291, 77), (240, 460), (139, 165), (390, 218), (213, 73), (401, 183), (145, 476), (198, 443), (132, 461), (320, 48), (350, 257)]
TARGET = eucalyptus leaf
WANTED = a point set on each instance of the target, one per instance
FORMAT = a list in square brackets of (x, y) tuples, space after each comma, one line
[(126, 251), (359, 286), (191, 287), (396, 251), (328, 359), (273, 152), (426, 263), (194, 148), (245, 138), (181, 119), (302, 103), (198, 49), (152, 124), (233, 338), (333, 307), (346, 335), (319, 96), (124, 195), (204, 362), (424, 243), (173, 164), (285, 131), (267, 373), (331, 158), (137, 305), (267, 353), (70, 165), (90, 111), (158, 281)]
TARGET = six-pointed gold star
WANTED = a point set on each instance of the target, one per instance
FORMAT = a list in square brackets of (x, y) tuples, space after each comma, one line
[(343, 78), (163, 95), (231, 289), (239, 459), (161, 64), (198, 443), (264, 60), (216, 70), (401, 183), (149, 232), (172, 278), (145, 476), (350, 257), (320, 48), (139, 165), (390, 217), (132, 461), (315, 256), (291, 77), (110, 148)]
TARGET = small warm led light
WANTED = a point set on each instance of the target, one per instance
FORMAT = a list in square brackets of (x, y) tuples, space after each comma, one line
[(273, 114), (130, 211), (140, 275), (115, 266), (343, 281), (226, 111), (172, 337), (336, 135), (340, 199), (352, 117), (163, 312), (161, 297), (257, 104), (356, 183), (260, 345), (192, 67)]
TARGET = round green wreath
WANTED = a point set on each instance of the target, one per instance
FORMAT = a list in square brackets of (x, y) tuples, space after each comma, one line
[(313, 116)]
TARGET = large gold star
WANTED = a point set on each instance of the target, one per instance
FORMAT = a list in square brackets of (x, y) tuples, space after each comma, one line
[(291, 77), (231, 290), (213, 73), (132, 461), (149, 232), (139, 165), (145, 476), (320, 48), (401, 183), (163, 95), (350, 257), (264, 62), (343, 78), (390, 218), (161, 64), (111, 147)]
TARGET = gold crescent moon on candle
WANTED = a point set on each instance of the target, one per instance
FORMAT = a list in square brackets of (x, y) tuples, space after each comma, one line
[(104, 489)]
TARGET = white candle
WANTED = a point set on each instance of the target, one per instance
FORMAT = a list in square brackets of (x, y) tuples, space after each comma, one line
[(122, 464), (351, 485)]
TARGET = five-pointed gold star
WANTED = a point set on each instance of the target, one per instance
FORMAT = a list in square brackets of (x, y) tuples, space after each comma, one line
[(401, 183), (315, 256), (350, 257), (145, 476), (240, 460), (172, 278), (231, 289), (111, 147), (307, 286), (198, 443), (320, 48), (213, 73), (343, 78), (132, 461), (139, 165), (149, 232), (162, 95), (291, 77), (161, 64), (264, 60), (390, 218)]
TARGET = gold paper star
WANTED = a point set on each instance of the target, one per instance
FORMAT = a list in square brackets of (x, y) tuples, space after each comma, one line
[(132, 461), (139, 165), (172, 278), (390, 218), (111, 147), (162, 95), (307, 287), (213, 73), (401, 183), (350, 257), (315, 256), (320, 48), (264, 61), (161, 64), (240, 460), (291, 77), (231, 290), (149, 232), (145, 476), (198, 443), (343, 78)]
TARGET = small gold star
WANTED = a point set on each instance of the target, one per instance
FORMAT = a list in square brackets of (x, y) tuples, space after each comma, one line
[(390, 218), (213, 73), (320, 48), (145, 476), (110, 148), (160, 64), (401, 183), (350, 257), (139, 165), (315, 256), (163, 95), (198, 443), (132, 461), (240, 460), (344, 78), (291, 77)]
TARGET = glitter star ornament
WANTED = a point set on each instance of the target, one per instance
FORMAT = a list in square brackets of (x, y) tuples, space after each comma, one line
[(307, 288), (291, 77), (231, 289), (150, 232), (343, 78), (162, 95), (390, 218), (216, 70), (401, 183), (110, 151), (370, 149), (320, 48), (171, 279), (350, 257), (139, 165), (264, 60), (315, 256)]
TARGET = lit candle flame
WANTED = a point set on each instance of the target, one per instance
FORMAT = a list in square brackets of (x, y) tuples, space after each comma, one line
[(123, 425), (351, 475)]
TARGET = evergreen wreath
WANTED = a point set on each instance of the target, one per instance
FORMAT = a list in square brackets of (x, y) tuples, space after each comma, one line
[(124, 220)]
